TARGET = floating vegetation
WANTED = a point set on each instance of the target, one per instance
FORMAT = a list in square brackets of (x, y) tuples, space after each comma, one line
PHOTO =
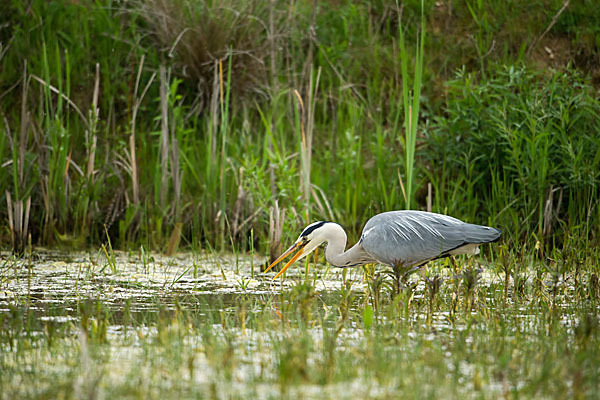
[(188, 326)]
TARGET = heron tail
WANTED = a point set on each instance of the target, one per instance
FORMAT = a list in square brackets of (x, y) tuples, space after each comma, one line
[(481, 234)]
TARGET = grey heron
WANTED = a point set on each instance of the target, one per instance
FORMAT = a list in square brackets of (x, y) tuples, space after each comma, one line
[(395, 237)]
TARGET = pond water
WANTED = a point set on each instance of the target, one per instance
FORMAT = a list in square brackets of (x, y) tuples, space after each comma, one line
[(200, 324)]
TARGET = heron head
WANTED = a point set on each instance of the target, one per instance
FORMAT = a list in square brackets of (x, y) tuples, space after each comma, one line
[(310, 238)]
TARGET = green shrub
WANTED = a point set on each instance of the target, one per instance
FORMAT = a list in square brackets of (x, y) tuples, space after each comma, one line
[(530, 134)]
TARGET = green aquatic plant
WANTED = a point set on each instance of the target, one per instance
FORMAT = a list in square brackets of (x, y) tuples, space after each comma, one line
[(289, 340), (411, 102)]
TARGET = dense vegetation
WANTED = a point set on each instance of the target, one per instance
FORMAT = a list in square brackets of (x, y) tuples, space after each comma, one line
[(222, 127), (222, 122)]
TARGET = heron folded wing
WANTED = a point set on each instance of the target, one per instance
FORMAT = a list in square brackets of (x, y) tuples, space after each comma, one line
[(412, 237)]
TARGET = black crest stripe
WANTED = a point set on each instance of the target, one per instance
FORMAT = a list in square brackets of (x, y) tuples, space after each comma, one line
[(311, 228)]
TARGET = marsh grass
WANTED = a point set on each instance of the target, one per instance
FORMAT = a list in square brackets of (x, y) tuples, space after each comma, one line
[(451, 335), (93, 133)]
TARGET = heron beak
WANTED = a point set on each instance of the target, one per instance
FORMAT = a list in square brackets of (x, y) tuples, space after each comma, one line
[(296, 246)]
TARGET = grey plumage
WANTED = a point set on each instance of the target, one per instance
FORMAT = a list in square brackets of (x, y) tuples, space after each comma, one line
[(412, 237)]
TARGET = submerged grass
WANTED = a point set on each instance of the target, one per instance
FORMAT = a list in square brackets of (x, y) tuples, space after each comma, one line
[(151, 329)]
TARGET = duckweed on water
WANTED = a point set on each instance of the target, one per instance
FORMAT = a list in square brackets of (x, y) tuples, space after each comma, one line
[(188, 327)]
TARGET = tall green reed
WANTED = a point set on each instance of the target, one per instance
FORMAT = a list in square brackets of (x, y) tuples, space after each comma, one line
[(411, 102), (19, 208), (225, 92)]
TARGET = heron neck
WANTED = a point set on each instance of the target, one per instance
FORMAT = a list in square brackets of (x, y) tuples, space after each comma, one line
[(335, 254)]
